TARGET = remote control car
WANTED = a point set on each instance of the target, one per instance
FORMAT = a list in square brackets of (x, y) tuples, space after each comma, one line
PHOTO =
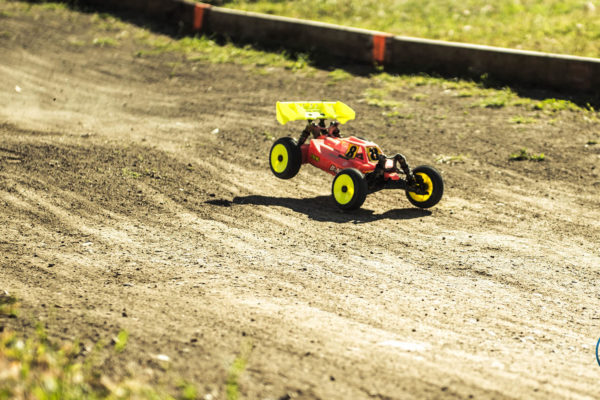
[(359, 166)]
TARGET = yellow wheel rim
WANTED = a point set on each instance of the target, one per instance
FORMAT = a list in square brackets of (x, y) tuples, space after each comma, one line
[(279, 158), (343, 189), (429, 186)]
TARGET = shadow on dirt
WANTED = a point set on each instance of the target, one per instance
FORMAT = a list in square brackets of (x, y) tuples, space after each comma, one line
[(321, 208)]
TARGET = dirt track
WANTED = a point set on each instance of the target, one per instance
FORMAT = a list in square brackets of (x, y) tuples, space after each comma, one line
[(122, 210)]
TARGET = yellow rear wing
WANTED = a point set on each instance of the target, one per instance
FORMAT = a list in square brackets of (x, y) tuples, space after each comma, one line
[(297, 110)]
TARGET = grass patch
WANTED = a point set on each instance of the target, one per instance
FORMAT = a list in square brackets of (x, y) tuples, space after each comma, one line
[(388, 87), (465, 93), (554, 105), (53, 6), (388, 90), (380, 97), (130, 174), (194, 49), (392, 117), (521, 120), (188, 391), (524, 155), (235, 371), (496, 101), (338, 75), (8, 305), (38, 368), (107, 22), (205, 49), (499, 98), (121, 341), (568, 26)]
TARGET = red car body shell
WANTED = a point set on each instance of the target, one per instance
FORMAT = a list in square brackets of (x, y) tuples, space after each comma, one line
[(333, 154)]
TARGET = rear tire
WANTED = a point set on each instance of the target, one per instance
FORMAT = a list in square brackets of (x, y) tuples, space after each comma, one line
[(349, 189), (432, 180), (285, 158)]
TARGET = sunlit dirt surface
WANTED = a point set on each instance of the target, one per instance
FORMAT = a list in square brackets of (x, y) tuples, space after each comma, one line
[(123, 208)]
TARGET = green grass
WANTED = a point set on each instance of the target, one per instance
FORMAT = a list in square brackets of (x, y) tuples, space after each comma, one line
[(130, 174), (194, 49), (393, 117), (121, 341), (554, 105), (497, 98), (380, 97), (36, 367), (202, 48), (388, 91), (236, 369), (524, 155), (8, 305), (557, 26), (53, 6), (522, 120), (338, 75)]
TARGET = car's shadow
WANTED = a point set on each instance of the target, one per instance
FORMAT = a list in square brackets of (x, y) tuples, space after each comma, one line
[(322, 208)]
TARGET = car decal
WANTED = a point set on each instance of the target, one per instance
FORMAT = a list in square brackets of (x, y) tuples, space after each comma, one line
[(352, 151), (373, 153)]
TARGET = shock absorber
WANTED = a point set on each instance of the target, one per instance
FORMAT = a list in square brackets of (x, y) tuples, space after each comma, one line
[(400, 159), (305, 134), (314, 129), (333, 129)]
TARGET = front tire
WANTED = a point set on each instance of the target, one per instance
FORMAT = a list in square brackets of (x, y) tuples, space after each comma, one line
[(430, 180), (285, 158), (349, 189)]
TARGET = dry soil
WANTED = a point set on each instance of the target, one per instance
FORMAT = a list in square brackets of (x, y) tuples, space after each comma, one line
[(135, 194)]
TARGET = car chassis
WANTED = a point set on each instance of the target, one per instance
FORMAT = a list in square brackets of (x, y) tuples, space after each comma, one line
[(386, 173)]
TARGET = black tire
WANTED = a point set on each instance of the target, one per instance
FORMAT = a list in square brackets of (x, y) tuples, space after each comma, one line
[(435, 187), (285, 158), (349, 189)]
